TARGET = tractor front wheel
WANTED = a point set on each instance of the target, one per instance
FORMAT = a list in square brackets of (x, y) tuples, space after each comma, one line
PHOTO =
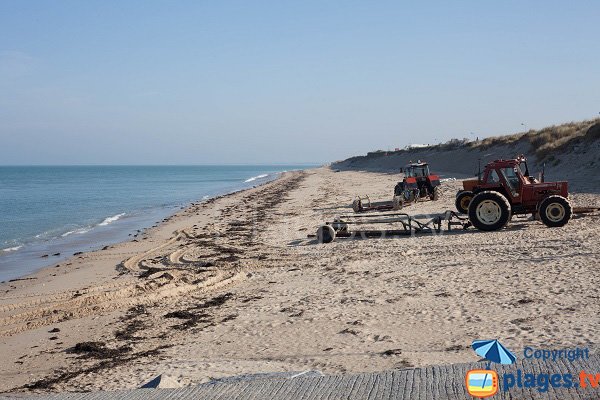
[(463, 198), (435, 194), (397, 203), (555, 211), (357, 205), (489, 211)]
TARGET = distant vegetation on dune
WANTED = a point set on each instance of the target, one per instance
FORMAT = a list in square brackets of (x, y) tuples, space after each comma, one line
[(544, 145)]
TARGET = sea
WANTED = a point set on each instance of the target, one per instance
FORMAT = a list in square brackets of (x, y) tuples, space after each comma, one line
[(48, 213)]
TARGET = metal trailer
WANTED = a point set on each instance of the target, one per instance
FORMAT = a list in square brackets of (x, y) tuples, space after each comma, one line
[(404, 225)]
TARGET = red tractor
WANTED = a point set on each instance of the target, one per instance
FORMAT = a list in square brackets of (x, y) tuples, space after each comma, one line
[(418, 183), (506, 189)]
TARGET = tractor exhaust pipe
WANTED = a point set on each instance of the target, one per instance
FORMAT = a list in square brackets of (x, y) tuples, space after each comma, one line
[(542, 173)]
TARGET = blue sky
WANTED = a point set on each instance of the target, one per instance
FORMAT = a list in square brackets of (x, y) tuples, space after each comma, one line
[(199, 82)]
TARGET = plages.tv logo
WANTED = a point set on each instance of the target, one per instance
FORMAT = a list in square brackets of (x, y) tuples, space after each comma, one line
[(482, 383)]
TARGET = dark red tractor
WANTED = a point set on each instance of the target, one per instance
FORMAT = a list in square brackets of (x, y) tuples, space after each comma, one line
[(505, 189), (418, 183)]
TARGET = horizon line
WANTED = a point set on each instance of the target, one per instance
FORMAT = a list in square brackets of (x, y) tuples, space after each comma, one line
[(167, 165)]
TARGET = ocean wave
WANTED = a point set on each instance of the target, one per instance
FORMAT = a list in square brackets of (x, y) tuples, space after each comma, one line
[(78, 231), (50, 234), (8, 250), (110, 220), (256, 177)]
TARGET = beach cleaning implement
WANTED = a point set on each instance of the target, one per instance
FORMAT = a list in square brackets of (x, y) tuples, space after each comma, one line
[(364, 203), (398, 224)]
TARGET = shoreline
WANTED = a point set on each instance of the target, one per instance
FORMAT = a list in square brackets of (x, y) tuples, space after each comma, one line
[(83, 280), (234, 286), (116, 234)]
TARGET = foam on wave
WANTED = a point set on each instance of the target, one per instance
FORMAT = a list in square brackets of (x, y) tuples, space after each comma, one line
[(256, 177), (110, 220), (15, 248)]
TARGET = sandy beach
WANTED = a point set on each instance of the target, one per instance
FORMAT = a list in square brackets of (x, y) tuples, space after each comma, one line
[(234, 285)]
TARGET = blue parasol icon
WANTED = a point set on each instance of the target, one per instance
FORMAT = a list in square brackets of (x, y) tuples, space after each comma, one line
[(493, 351)]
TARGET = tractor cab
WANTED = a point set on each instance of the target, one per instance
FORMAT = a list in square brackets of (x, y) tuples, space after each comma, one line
[(416, 170), (504, 176)]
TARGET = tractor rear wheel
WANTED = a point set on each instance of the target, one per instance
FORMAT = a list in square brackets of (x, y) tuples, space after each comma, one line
[(489, 211), (463, 198), (398, 189), (555, 211), (325, 234), (356, 205), (435, 195), (397, 203)]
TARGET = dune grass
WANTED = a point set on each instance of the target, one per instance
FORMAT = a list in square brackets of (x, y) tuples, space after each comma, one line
[(547, 142)]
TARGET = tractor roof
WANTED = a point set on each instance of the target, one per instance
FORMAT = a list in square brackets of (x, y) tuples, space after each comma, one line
[(417, 164), (506, 163)]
